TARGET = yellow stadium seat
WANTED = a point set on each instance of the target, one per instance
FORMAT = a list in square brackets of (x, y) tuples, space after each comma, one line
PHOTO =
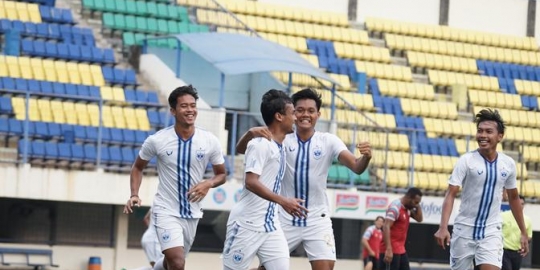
[(118, 94)]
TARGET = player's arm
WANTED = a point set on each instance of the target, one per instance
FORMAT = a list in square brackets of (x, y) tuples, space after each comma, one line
[(517, 212), (417, 214), (199, 191), (389, 254), (365, 243), (250, 134), (135, 184), (357, 165), (290, 205), (443, 235)]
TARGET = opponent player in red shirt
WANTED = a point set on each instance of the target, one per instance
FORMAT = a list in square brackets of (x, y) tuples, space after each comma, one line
[(395, 228), (371, 240)]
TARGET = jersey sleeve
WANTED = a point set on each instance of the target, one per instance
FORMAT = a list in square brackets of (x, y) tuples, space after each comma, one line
[(459, 173), (148, 149), (256, 155), (337, 145), (392, 213), (368, 233), (511, 181), (216, 156)]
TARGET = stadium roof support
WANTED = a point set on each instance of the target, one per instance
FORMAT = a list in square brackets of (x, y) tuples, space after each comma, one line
[(235, 54)]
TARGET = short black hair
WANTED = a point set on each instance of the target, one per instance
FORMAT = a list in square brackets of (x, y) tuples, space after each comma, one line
[(379, 217), (413, 192), (273, 101), (490, 115), (308, 93), (180, 91)]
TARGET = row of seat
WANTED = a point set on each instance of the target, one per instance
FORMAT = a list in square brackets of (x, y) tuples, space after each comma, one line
[(68, 112), (434, 146), (452, 128), (341, 175), (406, 43), (363, 102), (422, 162), (67, 33), (426, 108), (518, 118), (67, 51), (25, 12), (385, 71), (298, 44), (299, 79), (531, 153), (402, 89), (449, 33), (527, 87), (495, 100), (362, 52), (56, 15), (139, 8), (56, 151), (509, 71), (149, 25), (307, 30), (448, 78), (427, 181), (442, 62), (378, 140), (130, 38), (49, 70), (284, 12)]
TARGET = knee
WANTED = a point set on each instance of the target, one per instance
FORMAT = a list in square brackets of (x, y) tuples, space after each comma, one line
[(176, 263)]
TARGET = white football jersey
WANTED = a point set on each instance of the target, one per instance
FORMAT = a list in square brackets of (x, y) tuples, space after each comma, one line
[(482, 184), (180, 165), (307, 173), (266, 159)]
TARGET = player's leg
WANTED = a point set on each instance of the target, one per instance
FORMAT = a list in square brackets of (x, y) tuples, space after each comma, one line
[(404, 262), (159, 264), (274, 251), (462, 252), (368, 264), (175, 237), (320, 246), (489, 253), (240, 247)]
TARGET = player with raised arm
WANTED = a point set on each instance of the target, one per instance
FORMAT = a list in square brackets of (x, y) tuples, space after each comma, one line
[(183, 152), (396, 228), (371, 241), (253, 228), (310, 154), (481, 175)]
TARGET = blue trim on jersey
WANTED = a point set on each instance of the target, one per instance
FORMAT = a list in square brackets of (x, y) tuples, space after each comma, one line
[(269, 225), (486, 200), (184, 181), (301, 183)]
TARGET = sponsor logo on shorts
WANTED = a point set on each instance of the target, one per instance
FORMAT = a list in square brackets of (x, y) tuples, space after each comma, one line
[(453, 262), (348, 202), (237, 256), (219, 195), (166, 237), (376, 204)]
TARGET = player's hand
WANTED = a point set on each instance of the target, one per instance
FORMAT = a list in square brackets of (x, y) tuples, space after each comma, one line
[(134, 201), (293, 207), (524, 245), (388, 255), (371, 253), (364, 148), (199, 191), (260, 132), (442, 236)]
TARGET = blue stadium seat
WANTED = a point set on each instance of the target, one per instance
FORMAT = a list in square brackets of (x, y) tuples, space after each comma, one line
[(443, 146), (525, 101), (94, 91), (140, 136), (108, 74), (5, 106), (27, 47), (51, 50), (39, 48), (97, 54), (106, 135), (77, 152), (105, 155), (5, 25), (152, 97), (41, 130), (129, 136), (153, 118), (141, 96), (4, 128), (117, 136), (67, 17), (54, 130), (64, 151), (17, 26), (323, 61), (59, 88), (51, 150), (108, 56), (127, 155), (71, 89), (119, 76), (34, 86), (54, 31), (115, 154), (46, 87), (43, 30), (21, 84), (130, 77), (130, 95), (533, 102), (74, 52), (80, 133), (63, 51), (83, 91), (45, 13), (92, 133), (15, 127), (87, 54), (8, 83), (90, 153)]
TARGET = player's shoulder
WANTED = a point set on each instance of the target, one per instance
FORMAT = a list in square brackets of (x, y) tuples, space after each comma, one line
[(160, 135), (203, 132), (502, 157), (259, 142), (395, 204)]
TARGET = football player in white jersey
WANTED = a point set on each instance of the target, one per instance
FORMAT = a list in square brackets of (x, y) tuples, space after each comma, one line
[(481, 174), (149, 240), (309, 156), (183, 151), (253, 228)]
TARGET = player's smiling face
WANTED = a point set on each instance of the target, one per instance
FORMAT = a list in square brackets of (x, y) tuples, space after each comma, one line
[(306, 114), (185, 112), (488, 136)]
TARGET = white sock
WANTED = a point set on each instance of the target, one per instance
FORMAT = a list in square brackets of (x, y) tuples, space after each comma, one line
[(159, 264)]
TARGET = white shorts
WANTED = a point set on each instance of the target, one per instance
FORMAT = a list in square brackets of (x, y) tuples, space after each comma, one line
[(318, 240), (241, 246), (486, 251), (150, 245), (175, 231)]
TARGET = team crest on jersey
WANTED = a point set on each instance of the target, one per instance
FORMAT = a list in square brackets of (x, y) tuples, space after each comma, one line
[(200, 154), (166, 237), (238, 256), (317, 152), (504, 173)]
